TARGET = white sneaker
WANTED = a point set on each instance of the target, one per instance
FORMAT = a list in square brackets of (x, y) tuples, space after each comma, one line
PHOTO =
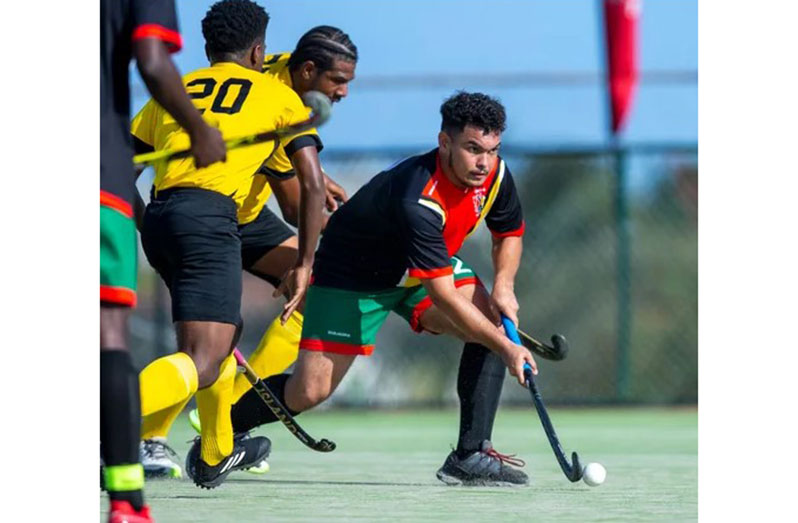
[(158, 459)]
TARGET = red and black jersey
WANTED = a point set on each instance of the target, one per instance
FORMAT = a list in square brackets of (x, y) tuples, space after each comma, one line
[(121, 23), (411, 219)]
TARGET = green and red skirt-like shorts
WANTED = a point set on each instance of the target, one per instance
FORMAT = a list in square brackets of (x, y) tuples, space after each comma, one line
[(117, 251), (346, 322)]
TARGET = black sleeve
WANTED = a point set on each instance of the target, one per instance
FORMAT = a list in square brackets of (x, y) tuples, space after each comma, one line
[(421, 230), (505, 217), (156, 19), (274, 173), (306, 140)]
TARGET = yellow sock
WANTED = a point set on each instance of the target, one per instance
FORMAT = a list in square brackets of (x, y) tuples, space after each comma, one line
[(157, 424), (214, 405), (277, 350), (167, 382)]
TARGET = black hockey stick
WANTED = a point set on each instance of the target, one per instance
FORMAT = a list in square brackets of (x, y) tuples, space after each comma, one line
[(573, 470), (557, 351), (323, 445)]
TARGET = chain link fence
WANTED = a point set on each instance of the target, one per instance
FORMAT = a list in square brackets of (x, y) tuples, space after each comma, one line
[(610, 261)]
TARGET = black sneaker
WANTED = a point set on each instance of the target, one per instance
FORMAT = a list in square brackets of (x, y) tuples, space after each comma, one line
[(483, 468), (194, 453), (247, 452)]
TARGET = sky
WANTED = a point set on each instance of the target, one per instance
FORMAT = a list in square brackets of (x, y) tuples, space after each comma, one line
[(485, 41)]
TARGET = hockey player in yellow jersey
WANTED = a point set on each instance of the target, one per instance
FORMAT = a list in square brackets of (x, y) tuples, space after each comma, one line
[(325, 61), (203, 225)]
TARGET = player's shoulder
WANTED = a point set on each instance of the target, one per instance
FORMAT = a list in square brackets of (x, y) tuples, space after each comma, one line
[(275, 64), (202, 72), (272, 83), (503, 176), (260, 86), (274, 87), (503, 167), (229, 70), (412, 178), (414, 168), (206, 79)]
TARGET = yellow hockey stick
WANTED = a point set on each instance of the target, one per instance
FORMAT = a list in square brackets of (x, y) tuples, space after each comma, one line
[(321, 110)]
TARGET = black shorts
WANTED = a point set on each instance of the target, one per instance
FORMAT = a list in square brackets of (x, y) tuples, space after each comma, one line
[(192, 238), (260, 236)]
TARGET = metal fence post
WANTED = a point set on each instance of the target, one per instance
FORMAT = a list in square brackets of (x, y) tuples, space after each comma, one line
[(623, 275)]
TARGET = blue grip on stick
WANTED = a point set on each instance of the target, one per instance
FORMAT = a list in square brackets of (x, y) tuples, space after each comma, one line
[(512, 333), (510, 330)]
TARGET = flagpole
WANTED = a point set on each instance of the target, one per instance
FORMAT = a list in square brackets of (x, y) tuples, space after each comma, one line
[(622, 226)]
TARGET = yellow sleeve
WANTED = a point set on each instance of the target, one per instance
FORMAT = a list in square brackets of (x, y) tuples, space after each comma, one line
[(144, 123), (294, 111), (275, 64), (278, 165)]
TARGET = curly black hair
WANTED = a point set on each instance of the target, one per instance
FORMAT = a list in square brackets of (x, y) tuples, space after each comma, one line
[(322, 45), (232, 26), (477, 109)]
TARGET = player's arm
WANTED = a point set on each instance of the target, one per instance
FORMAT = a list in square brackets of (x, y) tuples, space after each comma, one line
[(155, 35), (470, 320), (287, 191), (506, 223), (334, 193), (428, 260), (311, 201), (311, 217), (164, 83), (506, 254)]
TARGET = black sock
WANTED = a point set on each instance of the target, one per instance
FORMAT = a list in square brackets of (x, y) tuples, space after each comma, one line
[(120, 417), (250, 411), (479, 386)]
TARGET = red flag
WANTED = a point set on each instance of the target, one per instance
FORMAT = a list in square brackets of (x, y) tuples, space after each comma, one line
[(621, 19)]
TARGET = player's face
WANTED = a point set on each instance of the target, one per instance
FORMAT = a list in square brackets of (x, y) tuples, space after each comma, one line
[(470, 155), (335, 81)]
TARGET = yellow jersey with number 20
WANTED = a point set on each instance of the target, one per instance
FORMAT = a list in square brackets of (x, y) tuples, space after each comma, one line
[(239, 102)]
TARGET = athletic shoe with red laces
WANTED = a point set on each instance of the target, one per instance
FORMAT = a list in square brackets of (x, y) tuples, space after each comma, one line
[(483, 468), (123, 512)]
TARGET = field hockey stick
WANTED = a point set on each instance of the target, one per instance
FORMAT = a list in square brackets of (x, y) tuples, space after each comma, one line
[(573, 470), (318, 103), (277, 408), (557, 351)]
